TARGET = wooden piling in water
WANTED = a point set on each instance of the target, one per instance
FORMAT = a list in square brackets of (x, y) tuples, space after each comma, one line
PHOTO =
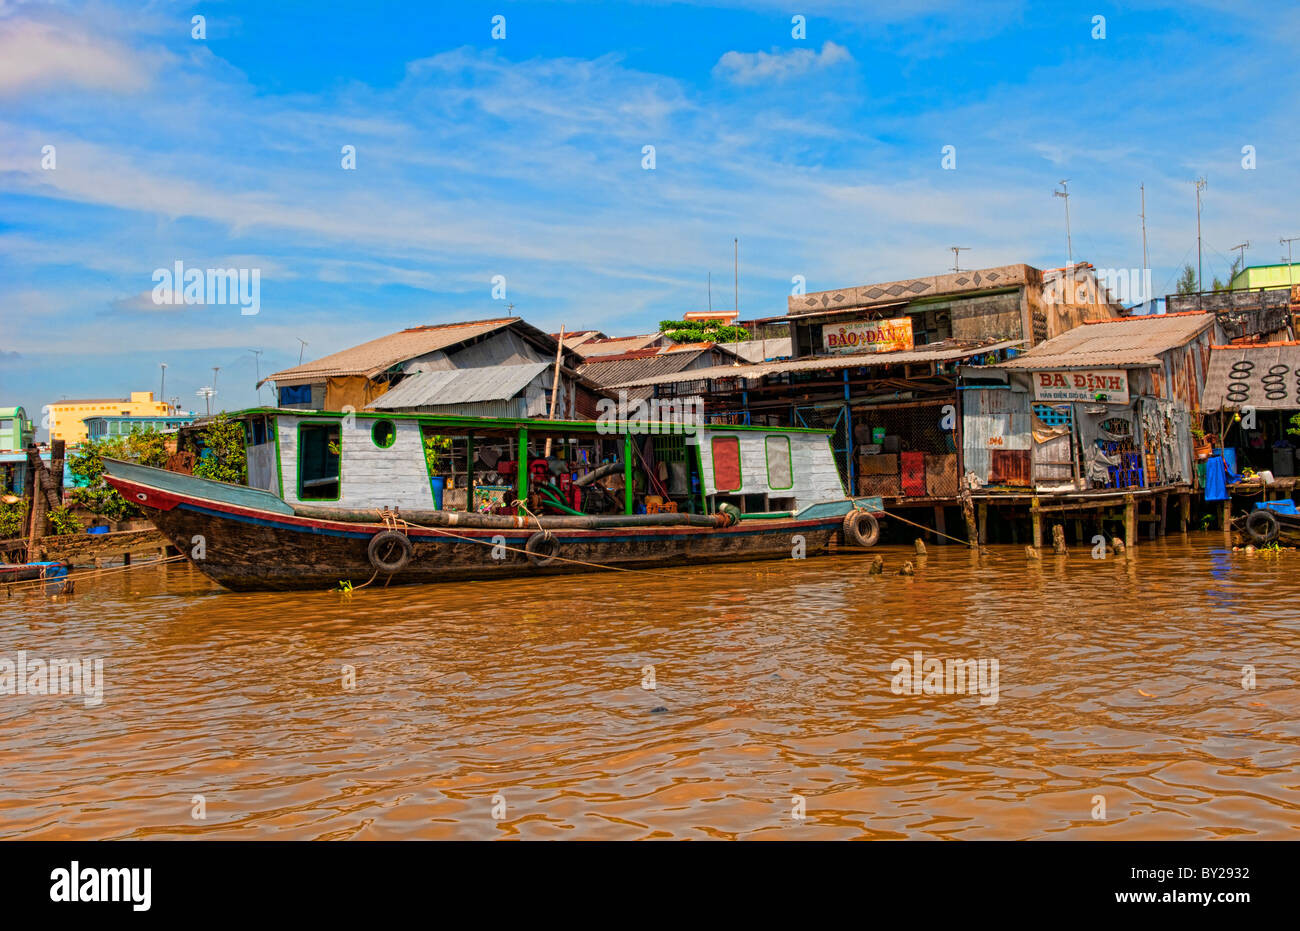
[(968, 514), (1130, 521), (1036, 519), (1058, 540), (36, 516), (920, 547)]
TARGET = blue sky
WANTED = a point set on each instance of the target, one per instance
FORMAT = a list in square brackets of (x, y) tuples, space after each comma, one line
[(522, 157)]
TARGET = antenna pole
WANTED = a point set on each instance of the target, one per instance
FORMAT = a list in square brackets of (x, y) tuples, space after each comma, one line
[(1145, 262), (1069, 243), (1200, 186)]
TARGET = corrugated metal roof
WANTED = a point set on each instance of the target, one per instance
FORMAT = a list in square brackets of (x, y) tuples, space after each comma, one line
[(460, 386), (381, 354), (1237, 377), (615, 346), (1131, 341), (938, 353), (640, 364)]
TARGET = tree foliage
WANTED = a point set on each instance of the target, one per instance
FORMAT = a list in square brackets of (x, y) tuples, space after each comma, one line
[(223, 458), (1187, 281), (64, 521), (702, 331), (435, 448), (87, 463), (12, 517)]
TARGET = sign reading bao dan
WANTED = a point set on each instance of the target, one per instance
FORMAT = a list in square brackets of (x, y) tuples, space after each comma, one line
[(868, 336), (1107, 385)]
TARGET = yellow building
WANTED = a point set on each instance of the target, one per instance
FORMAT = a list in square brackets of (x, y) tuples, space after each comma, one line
[(67, 418)]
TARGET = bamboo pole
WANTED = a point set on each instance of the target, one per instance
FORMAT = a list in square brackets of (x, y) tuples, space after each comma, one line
[(555, 384)]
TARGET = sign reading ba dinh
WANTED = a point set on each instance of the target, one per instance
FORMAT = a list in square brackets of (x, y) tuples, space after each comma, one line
[(869, 336), (1108, 385)]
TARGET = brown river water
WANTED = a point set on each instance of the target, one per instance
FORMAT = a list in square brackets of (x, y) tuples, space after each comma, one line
[(1119, 679)]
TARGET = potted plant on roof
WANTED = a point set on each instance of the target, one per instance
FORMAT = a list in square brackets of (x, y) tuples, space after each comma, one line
[(437, 453)]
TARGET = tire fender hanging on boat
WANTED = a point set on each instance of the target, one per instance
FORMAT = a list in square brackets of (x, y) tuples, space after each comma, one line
[(390, 551), (860, 528), (542, 548), (1262, 526)]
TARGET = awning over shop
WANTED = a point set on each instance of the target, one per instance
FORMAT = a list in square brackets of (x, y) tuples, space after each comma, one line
[(1265, 377)]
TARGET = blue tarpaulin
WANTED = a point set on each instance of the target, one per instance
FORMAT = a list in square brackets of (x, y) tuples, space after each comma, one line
[(295, 394), (1217, 478)]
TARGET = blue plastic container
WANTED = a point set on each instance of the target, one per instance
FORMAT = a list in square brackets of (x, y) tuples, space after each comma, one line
[(437, 483)]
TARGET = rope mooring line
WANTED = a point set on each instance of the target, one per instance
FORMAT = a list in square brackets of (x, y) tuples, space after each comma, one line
[(76, 576)]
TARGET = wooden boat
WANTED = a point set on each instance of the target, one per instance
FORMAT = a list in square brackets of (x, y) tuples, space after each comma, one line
[(1263, 526), (30, 571), (347, 498)]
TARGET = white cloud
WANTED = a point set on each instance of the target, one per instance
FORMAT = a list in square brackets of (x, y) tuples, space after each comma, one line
[(40, 54), (778, 65)]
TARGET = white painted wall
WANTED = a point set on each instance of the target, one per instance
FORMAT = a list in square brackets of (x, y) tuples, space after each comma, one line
[(372, 477), (816, 477)]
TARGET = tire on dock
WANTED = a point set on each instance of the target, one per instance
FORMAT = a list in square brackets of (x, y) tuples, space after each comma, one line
[(860, 528)]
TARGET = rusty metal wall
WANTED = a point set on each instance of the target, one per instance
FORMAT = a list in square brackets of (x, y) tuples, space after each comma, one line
[(992, 419)]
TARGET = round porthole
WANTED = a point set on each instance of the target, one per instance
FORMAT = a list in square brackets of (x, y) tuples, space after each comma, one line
[(383, 433)]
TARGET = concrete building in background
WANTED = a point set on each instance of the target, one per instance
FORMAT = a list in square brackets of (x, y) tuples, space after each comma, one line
[(1266, 276), (67, 417), (16, 430)]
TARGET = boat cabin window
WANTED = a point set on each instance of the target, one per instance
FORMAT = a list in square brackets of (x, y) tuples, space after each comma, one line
[(383, 433), (780, 471), (318, 461), (255, 432), (726, 463)]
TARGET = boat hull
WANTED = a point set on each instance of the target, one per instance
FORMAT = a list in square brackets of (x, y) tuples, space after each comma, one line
[(253, 549)]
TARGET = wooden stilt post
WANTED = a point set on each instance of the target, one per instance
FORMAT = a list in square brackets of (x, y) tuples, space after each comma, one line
[(984, 522), (36, 525), (968, 513), (1130, 521), (1036, 520), (1185, 511), (1225, 520), (1164, 512), (939, 526)]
